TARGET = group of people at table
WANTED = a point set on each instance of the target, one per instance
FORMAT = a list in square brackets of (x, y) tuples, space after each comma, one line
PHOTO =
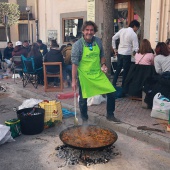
[(40, 54), (143, 54)]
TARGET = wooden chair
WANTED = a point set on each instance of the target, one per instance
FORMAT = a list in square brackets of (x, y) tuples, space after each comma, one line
[(47, 88)]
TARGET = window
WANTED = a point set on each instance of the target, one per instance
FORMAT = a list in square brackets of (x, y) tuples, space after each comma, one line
[(3, 0), (23, 32), (127, 10), (121, 16), (72, 29), (22, 5), (3, 34)]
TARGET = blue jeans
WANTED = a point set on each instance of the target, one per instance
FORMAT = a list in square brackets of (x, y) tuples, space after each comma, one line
[(123, 61), (110, 106), (9, 63), (67, 69)]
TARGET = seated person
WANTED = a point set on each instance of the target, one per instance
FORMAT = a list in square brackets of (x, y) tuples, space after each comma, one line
[(8, 55), (18, 51), (161, 82), (26, 46), (0, 58), (67, 64), (42, 47), (162, 58), (141, 71), (145, 54), (71, 37), (54, 55), (168, 44), (38, 60)]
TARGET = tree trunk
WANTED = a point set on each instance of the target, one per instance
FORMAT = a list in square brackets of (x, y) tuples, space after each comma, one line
[(6, 31), (108, 26)]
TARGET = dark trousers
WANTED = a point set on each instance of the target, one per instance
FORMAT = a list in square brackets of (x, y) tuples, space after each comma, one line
[(110, 106), (123, 61)]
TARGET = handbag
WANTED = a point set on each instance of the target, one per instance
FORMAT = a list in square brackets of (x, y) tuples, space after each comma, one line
[(161, 107)]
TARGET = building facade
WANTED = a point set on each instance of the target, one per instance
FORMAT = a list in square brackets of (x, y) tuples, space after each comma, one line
[(62, 20)]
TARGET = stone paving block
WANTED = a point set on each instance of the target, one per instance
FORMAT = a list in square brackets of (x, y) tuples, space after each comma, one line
[(108, 124), (132, 131), (67, 106), (98, 119), (160, 141), (143, 136), (122, 127), (93, 117)]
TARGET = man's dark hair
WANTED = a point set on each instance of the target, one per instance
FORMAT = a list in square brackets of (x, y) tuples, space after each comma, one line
[(25, 41), (168, 41), (39, 41), (62, 47), (74, 40), (87, 23), (69, 44), (54, 43), (9, 42), (134, 23)]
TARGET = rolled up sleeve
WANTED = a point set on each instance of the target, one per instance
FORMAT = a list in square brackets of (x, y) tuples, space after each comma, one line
[(114, 38), (76, 53), (135, 43)]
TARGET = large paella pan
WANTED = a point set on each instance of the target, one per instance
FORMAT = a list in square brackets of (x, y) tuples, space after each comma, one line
[(88, 137)]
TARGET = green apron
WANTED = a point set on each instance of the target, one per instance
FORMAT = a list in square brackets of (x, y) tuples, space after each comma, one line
[(92, 80)]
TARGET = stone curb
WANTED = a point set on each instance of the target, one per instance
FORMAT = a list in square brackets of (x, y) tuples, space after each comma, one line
[(146, 136)]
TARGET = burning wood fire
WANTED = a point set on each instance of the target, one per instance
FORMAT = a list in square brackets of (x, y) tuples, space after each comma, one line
[(73, 156)]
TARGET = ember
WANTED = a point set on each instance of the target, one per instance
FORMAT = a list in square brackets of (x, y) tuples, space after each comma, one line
[(73, 156)]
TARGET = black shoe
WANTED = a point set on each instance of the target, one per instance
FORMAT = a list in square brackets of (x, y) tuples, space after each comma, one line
[(112, 118), (85, 122)]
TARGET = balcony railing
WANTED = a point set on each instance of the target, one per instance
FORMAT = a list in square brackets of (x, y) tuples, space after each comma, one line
[(24, 16)]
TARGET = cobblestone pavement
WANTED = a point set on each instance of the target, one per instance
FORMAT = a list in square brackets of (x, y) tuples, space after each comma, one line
[(127, 110)]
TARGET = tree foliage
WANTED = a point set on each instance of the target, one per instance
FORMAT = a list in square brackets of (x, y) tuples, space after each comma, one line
[(11, 11)]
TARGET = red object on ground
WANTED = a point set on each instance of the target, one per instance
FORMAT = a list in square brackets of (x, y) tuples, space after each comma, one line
[(66, 95)]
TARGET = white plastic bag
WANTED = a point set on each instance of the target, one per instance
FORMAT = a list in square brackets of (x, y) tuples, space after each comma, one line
[(5, 134), (29, 103), (95, 100), (161, 108)]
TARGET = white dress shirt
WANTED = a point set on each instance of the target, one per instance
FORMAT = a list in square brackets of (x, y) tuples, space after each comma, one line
[(128, 41)]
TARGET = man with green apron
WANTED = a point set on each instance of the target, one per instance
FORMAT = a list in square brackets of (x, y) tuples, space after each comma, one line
[(88, 60)]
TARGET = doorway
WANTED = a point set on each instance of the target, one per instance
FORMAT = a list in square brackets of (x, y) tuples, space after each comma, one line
[(127, 10)]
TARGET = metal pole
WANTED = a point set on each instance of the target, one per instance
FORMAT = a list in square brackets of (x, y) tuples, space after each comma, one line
[(28, 27), (37, 32), (32, 37)]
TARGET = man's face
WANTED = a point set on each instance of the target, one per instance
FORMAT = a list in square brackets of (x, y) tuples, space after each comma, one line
[(10, 45), (38, 44), (135, 28), (88, 33), (26, 44)]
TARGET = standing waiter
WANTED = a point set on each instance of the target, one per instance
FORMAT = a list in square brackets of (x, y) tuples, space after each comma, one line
[(88, 60)]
